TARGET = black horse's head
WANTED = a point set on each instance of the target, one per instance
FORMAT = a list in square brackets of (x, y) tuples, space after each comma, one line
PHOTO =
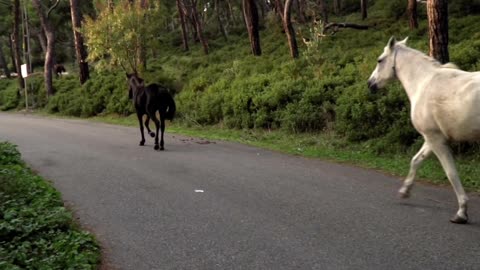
[(135, 83)]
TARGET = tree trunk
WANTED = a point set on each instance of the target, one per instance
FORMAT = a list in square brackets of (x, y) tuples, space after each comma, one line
[(336, 6), (287, 24), (221, 26), (16, 41), (181, 15), (49, 56), (301, 11), (263, 8), (42, 40), (324, 10), (438, 29), (363, 4), (279, 8), (412, 14), (230, 13), (80, 51), (199, 27), (193, 29), (12, 53), (250, 13), (142, 49), (3, 62)]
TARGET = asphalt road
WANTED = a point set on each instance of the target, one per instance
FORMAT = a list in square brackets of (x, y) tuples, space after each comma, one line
[(259, 209)]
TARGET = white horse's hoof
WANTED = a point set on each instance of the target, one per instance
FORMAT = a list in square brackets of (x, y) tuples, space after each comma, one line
[(459, 220), (404, 192)]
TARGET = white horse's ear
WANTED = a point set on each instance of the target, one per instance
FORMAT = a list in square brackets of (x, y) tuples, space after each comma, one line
[(404, 42), (391, 42)]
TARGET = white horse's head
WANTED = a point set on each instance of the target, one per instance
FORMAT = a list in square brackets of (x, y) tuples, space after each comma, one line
[(385, 70)]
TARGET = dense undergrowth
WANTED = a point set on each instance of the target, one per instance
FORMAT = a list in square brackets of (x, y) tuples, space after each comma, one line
[(36, 231), (322, 91)]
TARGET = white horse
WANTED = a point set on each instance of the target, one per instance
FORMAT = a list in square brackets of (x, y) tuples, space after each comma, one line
[(445, 106)]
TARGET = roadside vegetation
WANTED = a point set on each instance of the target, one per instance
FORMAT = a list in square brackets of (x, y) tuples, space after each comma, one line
[(318, 103), (36, 230)]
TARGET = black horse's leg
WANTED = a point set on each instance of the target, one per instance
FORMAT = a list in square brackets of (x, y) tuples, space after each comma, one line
[(147, 121), (139, 115), (154, 118), (162, 127)]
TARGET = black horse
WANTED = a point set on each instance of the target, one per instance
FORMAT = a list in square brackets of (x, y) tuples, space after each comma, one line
[(59, 69), (148, 100)]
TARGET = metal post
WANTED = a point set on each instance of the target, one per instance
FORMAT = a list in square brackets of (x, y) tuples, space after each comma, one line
[(26, 55), (24, 73), (26, 30), (26, 94)]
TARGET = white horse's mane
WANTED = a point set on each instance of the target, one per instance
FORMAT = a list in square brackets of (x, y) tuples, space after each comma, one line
[(428, 58)]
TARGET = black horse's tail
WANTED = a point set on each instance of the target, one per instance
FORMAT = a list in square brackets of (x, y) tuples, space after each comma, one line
[(171, 107)]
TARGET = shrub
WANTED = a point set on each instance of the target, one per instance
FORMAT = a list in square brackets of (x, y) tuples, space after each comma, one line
[(466, 54), (36, 231), (9, 95), (393, 9), (238, 107), (105, 93), (362, 115)]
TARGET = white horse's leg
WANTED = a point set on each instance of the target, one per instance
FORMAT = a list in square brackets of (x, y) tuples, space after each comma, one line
[(417, 160), (443, 152)]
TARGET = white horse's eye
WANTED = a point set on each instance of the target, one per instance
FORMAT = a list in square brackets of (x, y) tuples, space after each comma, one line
[(379, 61)]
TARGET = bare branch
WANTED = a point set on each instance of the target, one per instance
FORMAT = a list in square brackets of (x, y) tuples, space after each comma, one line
[(52, 8)]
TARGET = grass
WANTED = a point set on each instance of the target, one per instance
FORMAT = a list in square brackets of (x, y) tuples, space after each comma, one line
[(325, 146), (36, 230)]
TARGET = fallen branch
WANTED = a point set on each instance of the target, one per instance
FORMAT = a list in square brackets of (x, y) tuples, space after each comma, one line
[(345, 25), (335, 26)]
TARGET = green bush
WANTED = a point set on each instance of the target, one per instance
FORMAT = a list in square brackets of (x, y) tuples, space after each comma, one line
[(393, 9), (103, 93), (36, 230), (463, 7), (466, 54), (9, 154), (238, 106), (9, 95), (362, 115)]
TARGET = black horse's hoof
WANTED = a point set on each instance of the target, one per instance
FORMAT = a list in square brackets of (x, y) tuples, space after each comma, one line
[(459, 220), (156, 147), (142, 143), (152, 134), (162, 148)]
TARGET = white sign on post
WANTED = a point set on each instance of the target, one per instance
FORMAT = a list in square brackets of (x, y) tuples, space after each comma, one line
[(24, 70)]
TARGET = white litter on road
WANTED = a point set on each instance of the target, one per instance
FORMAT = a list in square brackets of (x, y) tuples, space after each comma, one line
[(199, 190)]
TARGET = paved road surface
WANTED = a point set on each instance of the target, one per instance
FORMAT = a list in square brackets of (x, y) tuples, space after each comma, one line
[(259, 209)]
